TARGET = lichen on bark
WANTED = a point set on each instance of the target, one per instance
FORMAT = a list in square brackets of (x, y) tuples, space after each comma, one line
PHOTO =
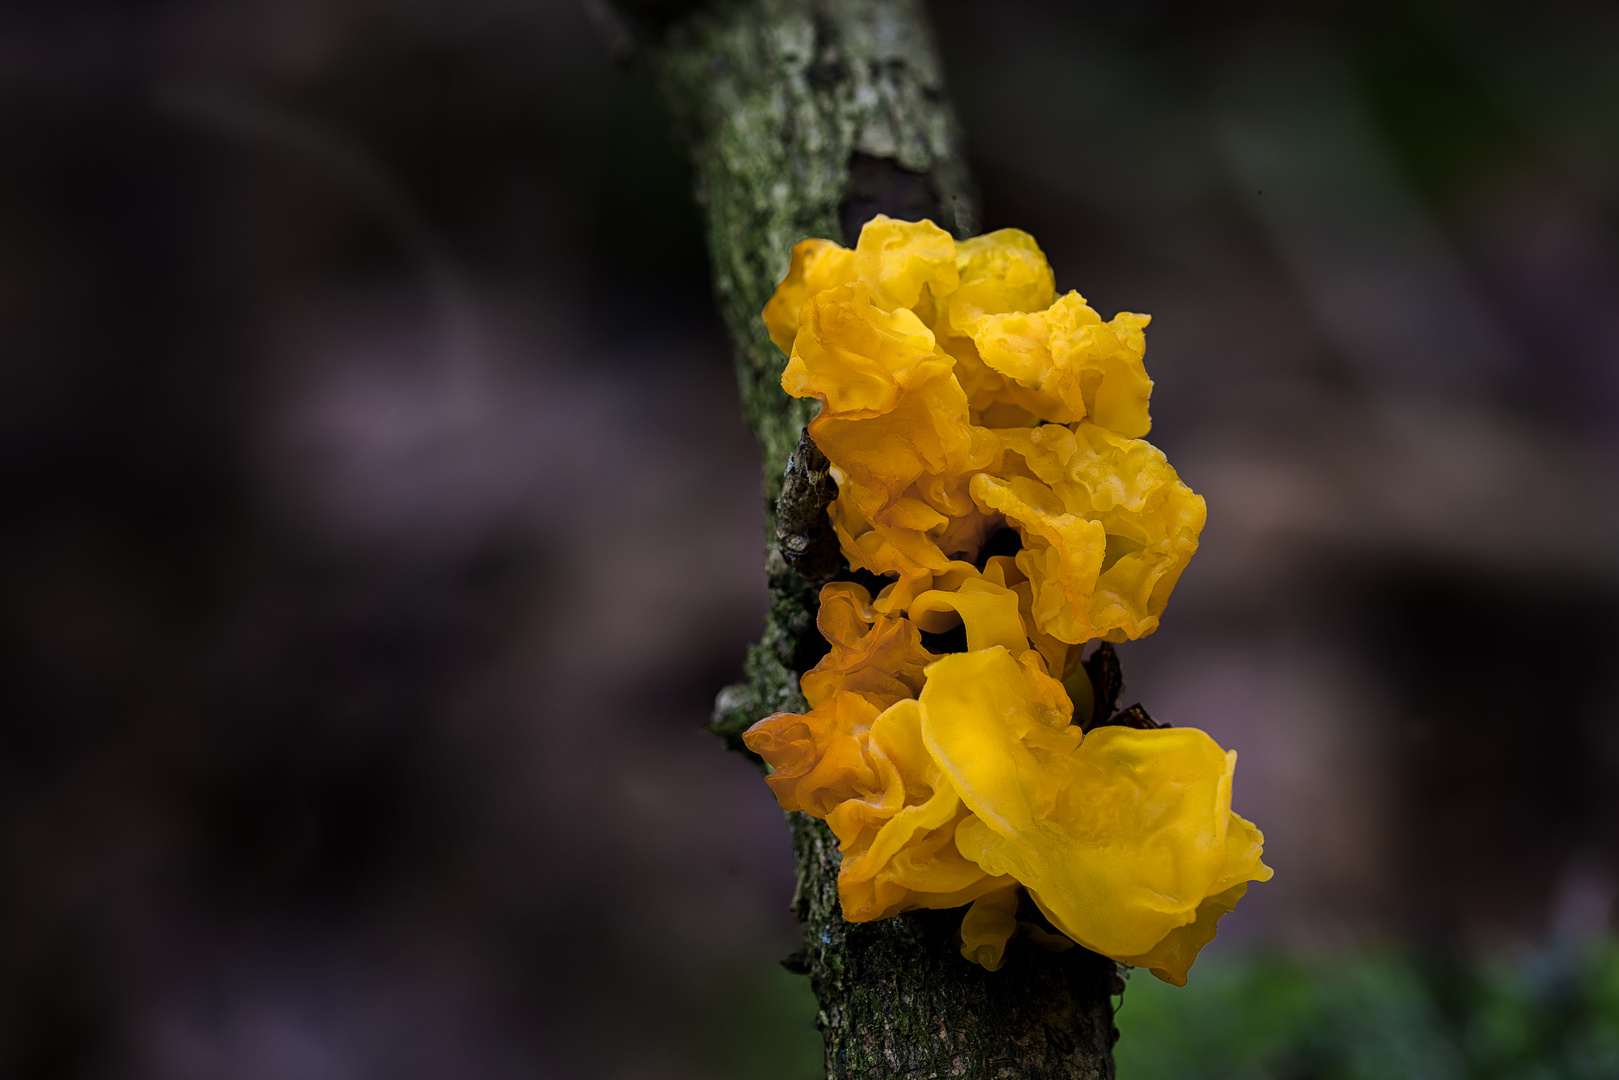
[(806, 118), (779, 100)]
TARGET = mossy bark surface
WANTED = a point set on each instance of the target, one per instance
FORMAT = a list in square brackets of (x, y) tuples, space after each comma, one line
[(806, 118)]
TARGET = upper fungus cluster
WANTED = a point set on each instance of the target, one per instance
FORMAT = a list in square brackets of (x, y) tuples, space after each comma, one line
[(960, 395)]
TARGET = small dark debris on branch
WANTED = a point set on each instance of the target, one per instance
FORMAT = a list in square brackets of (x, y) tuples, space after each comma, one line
[(1107, 683), (1134, 717), (803, 531)]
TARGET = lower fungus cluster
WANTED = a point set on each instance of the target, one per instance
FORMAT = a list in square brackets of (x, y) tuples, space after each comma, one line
[(960, 396)]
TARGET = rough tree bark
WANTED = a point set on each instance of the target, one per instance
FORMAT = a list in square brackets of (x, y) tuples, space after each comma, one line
[(806, 118)]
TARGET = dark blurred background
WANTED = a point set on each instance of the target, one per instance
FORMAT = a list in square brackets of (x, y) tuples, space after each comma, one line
[(379, 521)]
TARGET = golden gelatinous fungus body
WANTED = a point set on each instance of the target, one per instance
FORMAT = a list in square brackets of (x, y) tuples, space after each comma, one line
[(962, 397)]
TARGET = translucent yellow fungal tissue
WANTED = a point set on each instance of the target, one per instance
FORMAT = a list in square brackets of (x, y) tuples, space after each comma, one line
[(1107, 528), (1120, 836), (961, 396), (895, 818), (1064, 364), (877, 656), (988, 927), (900, 854), (817, 265)]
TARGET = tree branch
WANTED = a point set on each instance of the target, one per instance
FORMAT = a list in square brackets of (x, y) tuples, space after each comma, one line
[(806, 118)]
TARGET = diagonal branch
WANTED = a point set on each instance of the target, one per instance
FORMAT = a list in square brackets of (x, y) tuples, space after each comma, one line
[(806, 118)]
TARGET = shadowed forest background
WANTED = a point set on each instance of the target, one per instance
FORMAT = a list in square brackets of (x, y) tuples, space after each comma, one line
[(379, 522)]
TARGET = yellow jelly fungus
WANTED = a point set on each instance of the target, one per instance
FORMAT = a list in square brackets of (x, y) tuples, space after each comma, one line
[(989, 612), (1065, 364), (1107, 528), (1172, 957), (816, 758), (816, 265), (856, 357), (927, 436), (907, 263), (902, 857), (866, 772), (1000, 272), (1120, 836), (959, 395), (895, 818), (879, 657), (1003, 570), (988, 927)]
